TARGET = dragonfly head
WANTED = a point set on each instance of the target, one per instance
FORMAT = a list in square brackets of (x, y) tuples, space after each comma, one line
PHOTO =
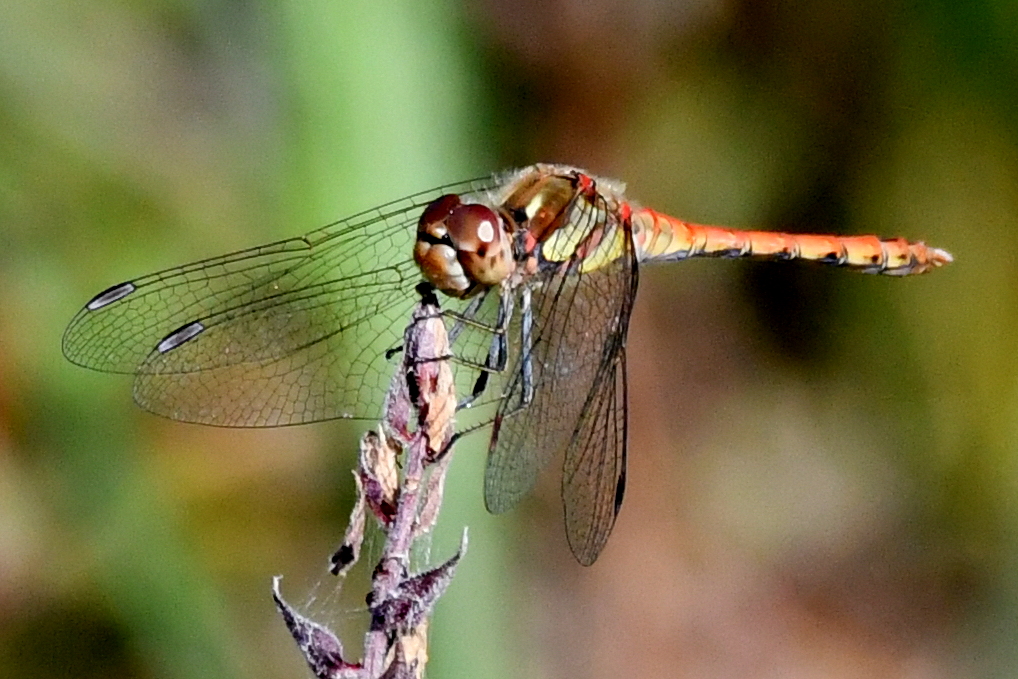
[(462, 248)]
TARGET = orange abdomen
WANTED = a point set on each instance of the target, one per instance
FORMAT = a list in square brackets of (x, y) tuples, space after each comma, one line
[(659, 237)]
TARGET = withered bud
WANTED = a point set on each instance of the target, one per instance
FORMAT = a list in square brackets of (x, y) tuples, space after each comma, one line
[(379, 474), (409, 655), (318, 644), (429, 379), (346, 556), (433, 492), (414, 598)]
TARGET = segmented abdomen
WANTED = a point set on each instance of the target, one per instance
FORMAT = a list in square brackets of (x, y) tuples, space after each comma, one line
[(659, 237)]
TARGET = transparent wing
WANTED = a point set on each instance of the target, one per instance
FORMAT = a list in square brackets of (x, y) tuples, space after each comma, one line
[(564, 394), (594, 470), (286, 333)]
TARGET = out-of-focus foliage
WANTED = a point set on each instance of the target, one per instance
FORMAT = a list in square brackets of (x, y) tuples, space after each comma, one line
[(823, 465)]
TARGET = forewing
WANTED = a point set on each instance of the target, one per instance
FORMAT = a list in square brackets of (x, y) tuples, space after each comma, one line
[(580, 321), (286, 333)]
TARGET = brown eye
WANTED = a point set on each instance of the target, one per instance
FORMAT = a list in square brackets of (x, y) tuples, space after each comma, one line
[(473, 227), (438, 210)]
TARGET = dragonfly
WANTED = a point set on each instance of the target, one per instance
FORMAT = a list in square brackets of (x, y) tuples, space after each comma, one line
[(539, 268)]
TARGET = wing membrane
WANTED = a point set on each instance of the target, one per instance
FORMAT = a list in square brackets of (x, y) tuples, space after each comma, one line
[(594, 470), (578, 407), (286, 333)]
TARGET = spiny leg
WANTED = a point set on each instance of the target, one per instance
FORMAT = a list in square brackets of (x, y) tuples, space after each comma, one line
[(498, 349)]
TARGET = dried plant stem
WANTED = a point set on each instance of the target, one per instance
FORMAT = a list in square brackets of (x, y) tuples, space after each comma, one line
[(417, 424), (394, 565)]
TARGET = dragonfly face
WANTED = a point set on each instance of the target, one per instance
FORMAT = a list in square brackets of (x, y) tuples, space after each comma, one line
[(462, 248), (540, 267)]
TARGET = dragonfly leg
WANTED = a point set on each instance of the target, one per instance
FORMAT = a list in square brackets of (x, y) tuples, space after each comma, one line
[(498, 350), (463, 318), (526, 348), (526, 358), (449, 444)]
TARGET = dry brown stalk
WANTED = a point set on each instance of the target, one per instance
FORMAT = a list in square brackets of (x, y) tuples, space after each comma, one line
[(418, 425)]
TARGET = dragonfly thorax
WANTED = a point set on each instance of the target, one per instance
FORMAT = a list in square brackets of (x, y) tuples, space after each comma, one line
[(462, 248)]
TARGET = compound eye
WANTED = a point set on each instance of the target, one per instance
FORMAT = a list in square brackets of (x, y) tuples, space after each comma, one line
[(438, 211), (474, 228)]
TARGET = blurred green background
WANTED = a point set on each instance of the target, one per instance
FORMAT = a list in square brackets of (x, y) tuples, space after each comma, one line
[(823, 465)]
